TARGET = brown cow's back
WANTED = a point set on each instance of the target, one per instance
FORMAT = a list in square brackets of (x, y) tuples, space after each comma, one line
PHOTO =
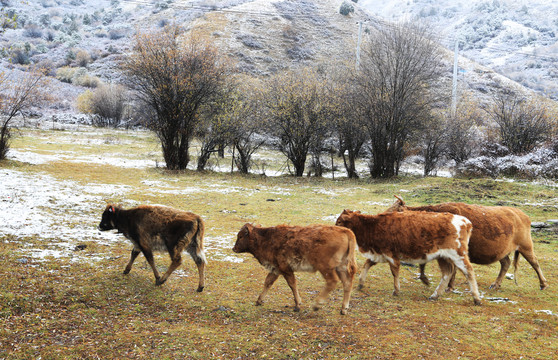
[(414, 235), (497, 232), (492, 227)]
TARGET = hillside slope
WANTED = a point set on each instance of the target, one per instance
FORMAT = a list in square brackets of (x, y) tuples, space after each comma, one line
[(264, 37)]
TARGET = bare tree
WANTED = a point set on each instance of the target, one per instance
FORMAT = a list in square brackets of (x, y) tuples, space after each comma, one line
[(463, 138), (298, 112), (523, 122), (217, 125), (433, 143), (16, 96), (400, 65), (349, 125), (176, 76), (246, 137)]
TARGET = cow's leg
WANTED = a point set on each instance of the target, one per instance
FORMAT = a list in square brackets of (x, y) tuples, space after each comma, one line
[(529, 255), (269, 280), (200, 263), (176, 260), (367, 265), (452, 279), (291, 280), (133, 256), (201, 273), (504, 266), (467, 269), (331, 280), (394, 267), (423, 276), (149, 257), (347, 281), (446, 269)]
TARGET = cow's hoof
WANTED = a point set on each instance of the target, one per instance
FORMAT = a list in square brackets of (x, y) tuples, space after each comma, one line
[(316, 308), (126, 271), (433, 297), (343, 311), (360, 287), (544, 286), (494, 286), (478, 302), (159, 282), (259, 303), (200, 289), (296, 309), (395, 293)]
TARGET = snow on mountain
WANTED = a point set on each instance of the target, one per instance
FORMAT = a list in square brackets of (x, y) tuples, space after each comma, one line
[(516, 38)]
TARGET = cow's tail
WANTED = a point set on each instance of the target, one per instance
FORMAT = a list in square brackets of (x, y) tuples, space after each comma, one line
[(195, 248), (515, 262), (352, 267)]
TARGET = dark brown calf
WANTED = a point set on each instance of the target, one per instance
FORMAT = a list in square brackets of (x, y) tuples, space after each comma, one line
[(284, 249), (159, 228), (497, 232), (413, 237)]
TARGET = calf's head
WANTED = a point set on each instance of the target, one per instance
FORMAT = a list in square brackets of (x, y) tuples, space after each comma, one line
[(108, 219), (345, 218), (243, 239)]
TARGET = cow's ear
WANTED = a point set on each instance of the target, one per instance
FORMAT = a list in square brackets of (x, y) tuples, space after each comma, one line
[(247, 228), (111, 209)]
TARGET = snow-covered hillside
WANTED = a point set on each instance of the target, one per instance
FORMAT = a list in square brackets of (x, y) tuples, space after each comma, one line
[(80, 42), (516, 38)]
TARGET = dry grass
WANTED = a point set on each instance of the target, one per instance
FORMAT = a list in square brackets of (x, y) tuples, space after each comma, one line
[(59, 308)]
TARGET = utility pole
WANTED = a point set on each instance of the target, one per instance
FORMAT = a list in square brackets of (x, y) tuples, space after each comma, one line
[(454, 87), (358, 44)]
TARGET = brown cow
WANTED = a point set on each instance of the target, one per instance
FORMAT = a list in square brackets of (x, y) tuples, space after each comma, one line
[(159, 228), (497, 232), (414, 237), (284, 249)]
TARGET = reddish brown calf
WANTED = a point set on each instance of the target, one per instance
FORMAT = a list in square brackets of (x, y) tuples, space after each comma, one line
[(284, 249), (414, 237)]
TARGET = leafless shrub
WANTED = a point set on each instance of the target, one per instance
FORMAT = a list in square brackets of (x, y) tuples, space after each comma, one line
[(107, 103), (17, 95), (523, 122)]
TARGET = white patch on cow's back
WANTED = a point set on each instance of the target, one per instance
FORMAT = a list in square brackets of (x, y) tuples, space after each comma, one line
[(458, 222)]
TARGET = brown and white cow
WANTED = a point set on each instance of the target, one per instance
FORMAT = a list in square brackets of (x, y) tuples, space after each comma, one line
[(497, 232), (159, 228), (285, 249), (414, 237)]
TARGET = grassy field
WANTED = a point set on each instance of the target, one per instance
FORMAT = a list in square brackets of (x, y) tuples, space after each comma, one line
[(59, 302)]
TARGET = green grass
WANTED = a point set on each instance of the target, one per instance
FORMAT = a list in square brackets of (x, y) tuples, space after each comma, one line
[(60, 309)]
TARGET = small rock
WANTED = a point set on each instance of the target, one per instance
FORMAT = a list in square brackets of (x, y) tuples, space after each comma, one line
[(22, 260), (80, 247)]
